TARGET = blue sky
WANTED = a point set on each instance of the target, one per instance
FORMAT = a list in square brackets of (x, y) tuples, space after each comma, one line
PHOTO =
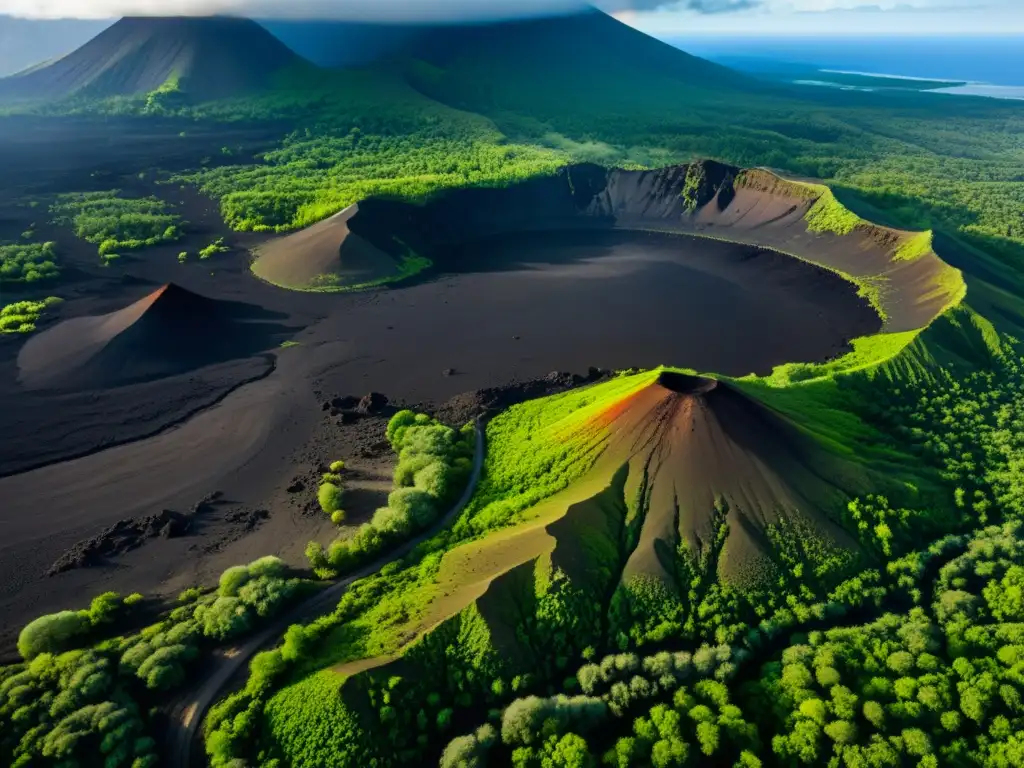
[(660, 17)]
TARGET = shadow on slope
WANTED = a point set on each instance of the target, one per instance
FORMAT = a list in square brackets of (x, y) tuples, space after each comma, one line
[(168, 332)]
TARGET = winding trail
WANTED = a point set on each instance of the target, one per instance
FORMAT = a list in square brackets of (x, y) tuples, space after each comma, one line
[(188, 713)]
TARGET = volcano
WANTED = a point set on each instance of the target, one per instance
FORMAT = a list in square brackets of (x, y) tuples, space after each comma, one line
[(702, 456), (203, 57), (168, 332), (571, 46)]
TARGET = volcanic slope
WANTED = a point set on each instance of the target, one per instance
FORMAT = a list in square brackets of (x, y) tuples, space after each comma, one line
[(593, 504), (200, 57), (641, 472), (170, 331), (563, 46), (323, 255)]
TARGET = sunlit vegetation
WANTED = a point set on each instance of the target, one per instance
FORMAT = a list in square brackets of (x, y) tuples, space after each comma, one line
[(83, 694), (545, 670), (115, 223), (434, 463), (409, 265), (941, 685), (217, 246), (22, 316), (30, 263), (331, 492)]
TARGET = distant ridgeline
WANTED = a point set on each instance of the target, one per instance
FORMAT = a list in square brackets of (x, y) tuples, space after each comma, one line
[(177, 61)]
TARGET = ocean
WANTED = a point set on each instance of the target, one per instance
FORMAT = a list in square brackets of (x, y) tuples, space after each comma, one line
[(993, 61)]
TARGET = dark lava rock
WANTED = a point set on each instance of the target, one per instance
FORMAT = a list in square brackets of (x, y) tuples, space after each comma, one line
[(297, 486), (349, 417), (122, 537), (207, 503), (448, 372), (248, 520), (374, 402), (467, 406), (348, 403)]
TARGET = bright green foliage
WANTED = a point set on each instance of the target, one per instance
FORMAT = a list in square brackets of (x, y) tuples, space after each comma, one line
[(78, 698), (117, 223), (829, 215), (217, 246), (434, 463), (329, 495), (70, 710), (912, 685), (52, 634), (526, 460), (246, 595), (22, 316), (360, 133), (696, 179), (64, 631), (915, 247), (29, 263)]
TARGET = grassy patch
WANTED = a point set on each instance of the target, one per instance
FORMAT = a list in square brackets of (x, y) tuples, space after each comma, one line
[(914, 247), (829, 215)]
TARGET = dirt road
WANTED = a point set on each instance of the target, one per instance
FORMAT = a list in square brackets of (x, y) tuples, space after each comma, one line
[(188, 713)]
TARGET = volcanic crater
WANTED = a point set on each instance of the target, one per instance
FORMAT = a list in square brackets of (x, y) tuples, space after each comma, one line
[(587, 267)]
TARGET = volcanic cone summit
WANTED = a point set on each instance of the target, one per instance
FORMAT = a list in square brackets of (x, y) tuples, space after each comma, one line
[(703, 457)]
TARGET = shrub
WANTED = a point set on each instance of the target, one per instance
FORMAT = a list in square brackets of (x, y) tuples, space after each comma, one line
[(217, 246), (329, 497), (470, 751), (54, 633), (232, 580), (21, 316), (337, 466), (224, 618), (28, 263)]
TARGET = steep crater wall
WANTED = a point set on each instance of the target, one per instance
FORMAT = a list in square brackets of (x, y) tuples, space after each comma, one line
[(898, 271)]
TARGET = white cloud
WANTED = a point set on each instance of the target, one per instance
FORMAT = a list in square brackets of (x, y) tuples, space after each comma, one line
[(353, 9), (395, 10)]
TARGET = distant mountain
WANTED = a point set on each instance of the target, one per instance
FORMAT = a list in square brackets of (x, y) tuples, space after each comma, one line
[(25, 43), (206, 57), (591, 40)]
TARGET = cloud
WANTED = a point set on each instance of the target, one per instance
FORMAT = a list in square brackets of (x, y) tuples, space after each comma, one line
[(397, 10), (695, 6), (381, 10)]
